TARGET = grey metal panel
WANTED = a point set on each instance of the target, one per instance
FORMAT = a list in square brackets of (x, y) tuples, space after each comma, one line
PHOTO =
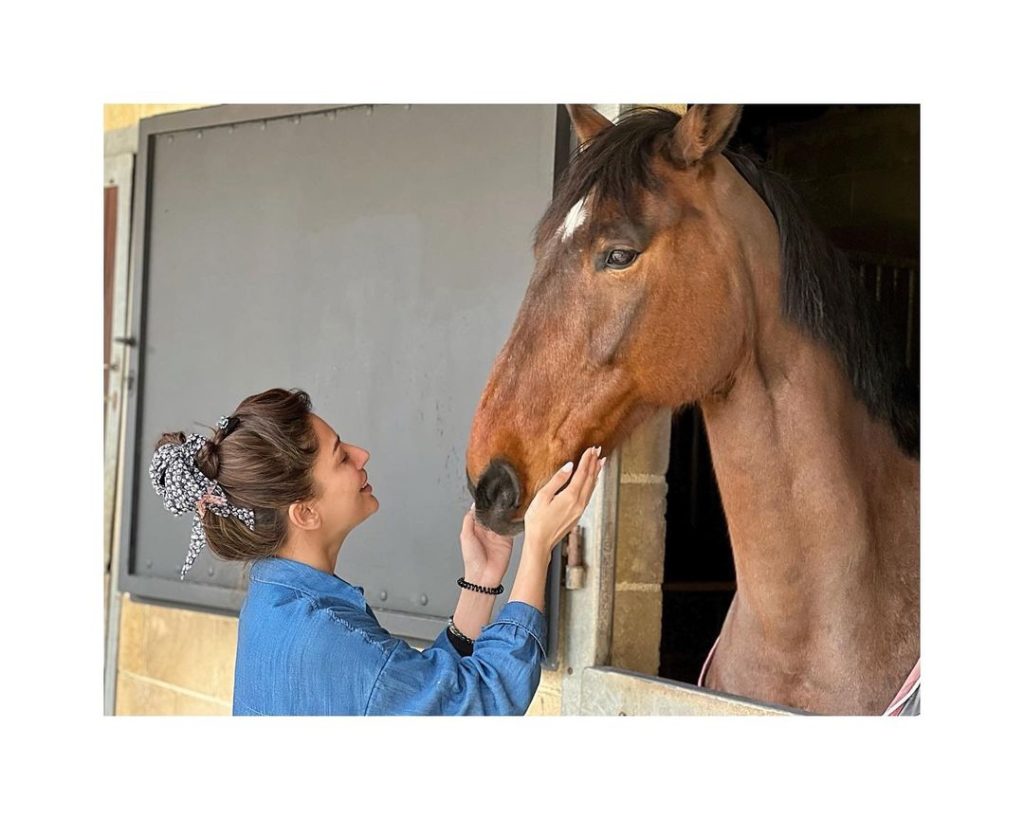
[(374, 256), (612, 692)]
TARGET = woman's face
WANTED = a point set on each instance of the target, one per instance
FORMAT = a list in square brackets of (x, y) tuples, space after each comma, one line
[(345, 496)]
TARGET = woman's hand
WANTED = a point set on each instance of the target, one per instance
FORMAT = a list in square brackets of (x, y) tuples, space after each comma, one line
[(549, 516), (485, 553)]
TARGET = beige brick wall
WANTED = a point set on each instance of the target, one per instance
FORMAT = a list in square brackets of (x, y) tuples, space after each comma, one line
[(174, 661), (640, 549)]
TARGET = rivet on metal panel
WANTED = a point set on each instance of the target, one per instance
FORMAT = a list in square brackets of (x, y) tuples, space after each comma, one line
[(199, 134), (568, 670), (383, 595), (423, 600)]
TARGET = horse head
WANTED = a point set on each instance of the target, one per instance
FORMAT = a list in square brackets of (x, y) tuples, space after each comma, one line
[(640, 298)]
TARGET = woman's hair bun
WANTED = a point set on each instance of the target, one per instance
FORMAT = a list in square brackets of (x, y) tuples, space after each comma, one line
[(208, 457)]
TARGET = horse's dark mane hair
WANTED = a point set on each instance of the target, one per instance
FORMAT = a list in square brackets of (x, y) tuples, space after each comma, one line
[(820, 295), (819, 288)]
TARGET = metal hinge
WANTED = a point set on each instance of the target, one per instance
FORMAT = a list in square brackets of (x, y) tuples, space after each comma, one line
[(575, 571)]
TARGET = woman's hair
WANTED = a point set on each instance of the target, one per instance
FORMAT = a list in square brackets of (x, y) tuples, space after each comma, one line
[(263, 461)]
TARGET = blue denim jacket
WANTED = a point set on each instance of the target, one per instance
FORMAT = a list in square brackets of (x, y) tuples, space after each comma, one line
[(309, 644)]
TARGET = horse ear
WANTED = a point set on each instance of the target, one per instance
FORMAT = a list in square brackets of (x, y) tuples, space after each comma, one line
[(703, 131), (587, 122)]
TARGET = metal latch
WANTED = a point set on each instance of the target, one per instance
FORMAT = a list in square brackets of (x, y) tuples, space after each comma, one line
[(575, 571)]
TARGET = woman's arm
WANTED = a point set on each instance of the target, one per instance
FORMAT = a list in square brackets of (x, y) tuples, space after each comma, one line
[(502, 674), (551, 515), (486, 556)]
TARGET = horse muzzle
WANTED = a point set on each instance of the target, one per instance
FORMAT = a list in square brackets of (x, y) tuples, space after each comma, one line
[(497, 498)]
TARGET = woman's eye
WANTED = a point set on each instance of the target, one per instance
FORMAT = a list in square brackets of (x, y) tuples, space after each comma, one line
[(619, 258)]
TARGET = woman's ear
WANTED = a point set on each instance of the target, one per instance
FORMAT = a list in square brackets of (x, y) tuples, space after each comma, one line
[(303, 516)]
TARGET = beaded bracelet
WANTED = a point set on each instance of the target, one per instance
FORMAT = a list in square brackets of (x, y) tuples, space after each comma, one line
[(463, 583), (463, 644)]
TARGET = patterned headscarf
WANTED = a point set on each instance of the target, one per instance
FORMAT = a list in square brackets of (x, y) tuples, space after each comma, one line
[(177, 479)]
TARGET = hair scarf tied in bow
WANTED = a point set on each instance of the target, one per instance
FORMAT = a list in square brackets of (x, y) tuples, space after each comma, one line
[(177, 479)]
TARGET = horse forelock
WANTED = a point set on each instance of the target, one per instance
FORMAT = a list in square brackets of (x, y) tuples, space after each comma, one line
[(614, 168)]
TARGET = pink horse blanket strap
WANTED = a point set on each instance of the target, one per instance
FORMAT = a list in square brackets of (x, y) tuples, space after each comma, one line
[(907, 701), (707, 662)]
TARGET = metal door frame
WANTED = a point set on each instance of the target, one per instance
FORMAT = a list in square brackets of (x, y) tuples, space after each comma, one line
[(118, 166)]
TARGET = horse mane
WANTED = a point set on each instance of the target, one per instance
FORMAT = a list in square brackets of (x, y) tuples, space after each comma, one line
[(820, 295), (819, 290)]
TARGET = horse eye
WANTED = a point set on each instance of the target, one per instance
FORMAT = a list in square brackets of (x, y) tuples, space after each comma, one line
[(620, 259)]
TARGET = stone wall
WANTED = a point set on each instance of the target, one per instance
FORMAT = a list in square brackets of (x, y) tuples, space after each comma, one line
[(174, 661), (640, 547)]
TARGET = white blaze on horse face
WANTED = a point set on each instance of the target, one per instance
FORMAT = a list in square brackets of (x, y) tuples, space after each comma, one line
[(576, 216)]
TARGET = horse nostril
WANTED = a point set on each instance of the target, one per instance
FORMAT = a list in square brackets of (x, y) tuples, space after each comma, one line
[(498, 490)]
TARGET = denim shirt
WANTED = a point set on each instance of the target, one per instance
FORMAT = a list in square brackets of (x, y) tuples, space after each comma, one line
[(309, 644)]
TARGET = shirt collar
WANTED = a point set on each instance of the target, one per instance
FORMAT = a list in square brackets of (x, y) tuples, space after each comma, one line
[(286, 572)]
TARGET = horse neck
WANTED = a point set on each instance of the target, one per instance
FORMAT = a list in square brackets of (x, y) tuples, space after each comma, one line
[(821, 506)]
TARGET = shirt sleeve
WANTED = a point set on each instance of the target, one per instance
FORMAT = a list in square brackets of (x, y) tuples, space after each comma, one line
[(498, 679)]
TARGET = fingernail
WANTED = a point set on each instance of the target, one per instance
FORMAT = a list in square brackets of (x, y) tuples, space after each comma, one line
[(567, 467), (472, 506), (599, 450), (601, 466)]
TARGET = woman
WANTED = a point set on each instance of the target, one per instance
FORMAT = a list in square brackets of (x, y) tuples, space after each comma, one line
[(276, 487)]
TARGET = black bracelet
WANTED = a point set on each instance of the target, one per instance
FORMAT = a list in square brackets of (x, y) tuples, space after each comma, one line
[(482, 589), (460, 642)]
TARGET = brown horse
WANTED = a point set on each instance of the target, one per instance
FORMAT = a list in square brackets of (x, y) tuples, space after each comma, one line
[(671, 272)]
